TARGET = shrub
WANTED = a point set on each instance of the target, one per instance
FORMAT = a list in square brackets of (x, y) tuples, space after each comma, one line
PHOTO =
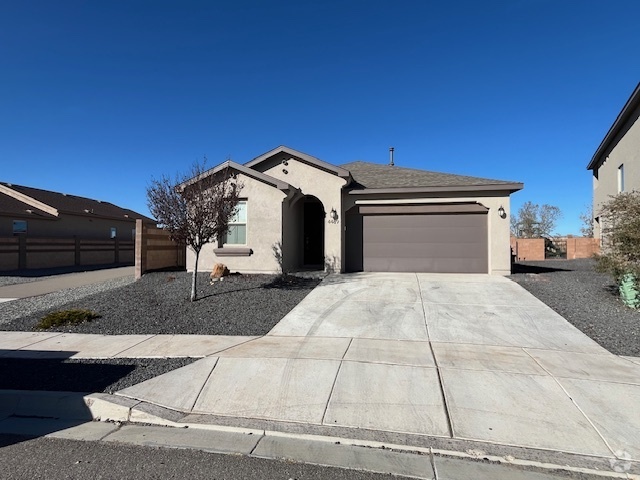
[(620, 220), (66, 317)]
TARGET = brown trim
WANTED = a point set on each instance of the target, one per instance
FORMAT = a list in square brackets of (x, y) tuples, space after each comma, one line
[(625, 114), (29, 216), (501, 187), (233, 252), (423, 209)]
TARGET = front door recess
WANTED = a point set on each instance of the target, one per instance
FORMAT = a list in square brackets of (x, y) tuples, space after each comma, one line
[(313, 234)]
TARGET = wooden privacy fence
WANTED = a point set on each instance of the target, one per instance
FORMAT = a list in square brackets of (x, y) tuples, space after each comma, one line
[(22, 252), (156, 251), (534, 248)]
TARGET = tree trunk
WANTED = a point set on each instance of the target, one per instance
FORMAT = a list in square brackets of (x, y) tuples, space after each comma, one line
[(194, 295)]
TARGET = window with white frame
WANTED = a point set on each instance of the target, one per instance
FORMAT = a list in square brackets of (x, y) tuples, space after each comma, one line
[(237, 233), (621, 178), (114, 232)]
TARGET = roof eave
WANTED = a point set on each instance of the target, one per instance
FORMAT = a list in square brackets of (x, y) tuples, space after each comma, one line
[(131, 218), (503, 187), (268, 179), (632, 104)]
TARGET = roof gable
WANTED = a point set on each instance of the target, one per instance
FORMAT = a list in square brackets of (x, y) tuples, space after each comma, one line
[(313, 161), (375, 176), (262, 177)]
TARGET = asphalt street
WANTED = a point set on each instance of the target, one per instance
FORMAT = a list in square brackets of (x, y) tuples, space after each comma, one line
[(54, 458), (48, 458)]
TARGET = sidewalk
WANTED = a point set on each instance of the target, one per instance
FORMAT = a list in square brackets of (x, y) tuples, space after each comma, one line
[(367, 392), (454, 363), (62, 282)]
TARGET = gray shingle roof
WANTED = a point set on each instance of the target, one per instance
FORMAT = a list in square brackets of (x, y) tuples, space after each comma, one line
[(375, 175), (65, 203), (13, 206)]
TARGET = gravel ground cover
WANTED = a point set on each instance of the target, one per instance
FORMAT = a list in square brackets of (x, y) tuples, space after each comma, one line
[(587, 299), (158, 304), (34, 306)]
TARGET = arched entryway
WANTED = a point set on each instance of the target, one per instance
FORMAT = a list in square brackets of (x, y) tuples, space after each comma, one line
[(312, 233)]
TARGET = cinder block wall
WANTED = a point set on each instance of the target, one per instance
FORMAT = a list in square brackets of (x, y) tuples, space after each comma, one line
[(533, 248), (582, 247), (528, 248)]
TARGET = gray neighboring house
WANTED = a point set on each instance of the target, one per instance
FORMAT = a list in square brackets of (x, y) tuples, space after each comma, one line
[(299, 212), (41, 213), (616, 163)]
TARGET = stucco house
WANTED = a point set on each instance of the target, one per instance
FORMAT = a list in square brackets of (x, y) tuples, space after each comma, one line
[(616, 163), (38, 213), (299, 212)]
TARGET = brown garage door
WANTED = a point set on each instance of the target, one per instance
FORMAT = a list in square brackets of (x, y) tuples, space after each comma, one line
[(439, 243)]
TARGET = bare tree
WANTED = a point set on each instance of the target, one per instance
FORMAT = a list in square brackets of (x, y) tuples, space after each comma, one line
[(195, 208), (586, 217), (534, 221)]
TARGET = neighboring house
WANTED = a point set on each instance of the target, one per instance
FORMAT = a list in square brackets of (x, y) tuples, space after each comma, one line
[(299, 212), (40, 213), (616, 163)]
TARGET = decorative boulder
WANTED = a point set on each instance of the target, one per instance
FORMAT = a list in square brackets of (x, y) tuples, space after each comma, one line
[(219, 270)]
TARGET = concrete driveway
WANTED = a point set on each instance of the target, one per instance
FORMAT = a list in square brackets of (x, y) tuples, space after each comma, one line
[(461, 309), (470, 357)]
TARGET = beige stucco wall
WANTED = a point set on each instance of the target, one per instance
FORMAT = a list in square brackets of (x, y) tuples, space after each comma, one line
[(264, 230), (326, 187), (497, 228), (626, 151)]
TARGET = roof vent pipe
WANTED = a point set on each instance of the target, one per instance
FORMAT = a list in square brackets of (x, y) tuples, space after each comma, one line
[(391, 164)]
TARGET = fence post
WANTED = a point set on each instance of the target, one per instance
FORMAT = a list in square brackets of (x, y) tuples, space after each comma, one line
[(22, 252), (78, 246), (116, 254), (141, 249)]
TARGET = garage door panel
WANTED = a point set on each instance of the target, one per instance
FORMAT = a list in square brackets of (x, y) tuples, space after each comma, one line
[(402, 235), (443, 265), (431, 221), (451, 243), (431, 250)]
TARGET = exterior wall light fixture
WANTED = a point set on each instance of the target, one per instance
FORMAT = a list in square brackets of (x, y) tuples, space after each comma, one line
[(333, 214), (501, 212)]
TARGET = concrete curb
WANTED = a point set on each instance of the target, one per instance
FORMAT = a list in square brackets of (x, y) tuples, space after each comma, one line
[(75, 415)]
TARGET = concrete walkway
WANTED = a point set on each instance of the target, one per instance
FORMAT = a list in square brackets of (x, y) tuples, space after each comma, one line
[(399, 358), (62, 282)]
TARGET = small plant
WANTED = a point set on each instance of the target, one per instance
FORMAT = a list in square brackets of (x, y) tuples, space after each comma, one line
[(629, 291), (66, 317)]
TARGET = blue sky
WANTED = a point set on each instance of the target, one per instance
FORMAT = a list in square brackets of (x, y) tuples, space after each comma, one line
[(99, 97)]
